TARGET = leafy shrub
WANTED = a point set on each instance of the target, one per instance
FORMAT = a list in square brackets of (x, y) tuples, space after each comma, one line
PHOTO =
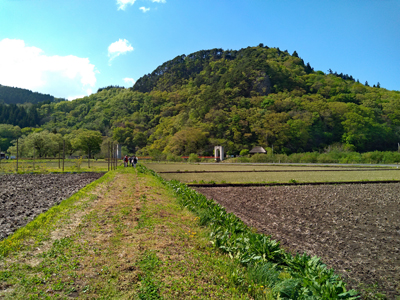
[(260, 158), (244, 152), (240, 159), (193, 157), (174, 158)]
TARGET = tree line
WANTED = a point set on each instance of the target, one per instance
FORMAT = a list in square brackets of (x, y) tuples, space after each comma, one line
[(256, 96)]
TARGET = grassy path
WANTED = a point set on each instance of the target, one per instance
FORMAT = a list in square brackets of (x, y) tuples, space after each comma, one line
[(127, 239)]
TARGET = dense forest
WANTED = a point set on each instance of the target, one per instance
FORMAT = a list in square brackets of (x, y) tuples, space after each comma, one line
[(23, 116), (14, 95), (238, 99)]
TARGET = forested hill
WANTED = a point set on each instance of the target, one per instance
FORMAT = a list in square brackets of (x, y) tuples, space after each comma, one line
[(13, 95), (238, 99), (222, 69)]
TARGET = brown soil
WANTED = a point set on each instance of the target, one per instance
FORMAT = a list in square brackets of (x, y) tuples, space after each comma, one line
[(24, 197), (355, 229)]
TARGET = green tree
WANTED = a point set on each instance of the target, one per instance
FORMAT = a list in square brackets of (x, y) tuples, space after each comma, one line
[(88, 141), (187, 141), (7, 134)]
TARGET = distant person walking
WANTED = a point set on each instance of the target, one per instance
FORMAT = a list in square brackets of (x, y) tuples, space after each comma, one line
[(126, 161), (134, 161)]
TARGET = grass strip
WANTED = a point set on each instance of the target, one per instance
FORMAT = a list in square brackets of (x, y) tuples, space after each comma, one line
[(285, 276)]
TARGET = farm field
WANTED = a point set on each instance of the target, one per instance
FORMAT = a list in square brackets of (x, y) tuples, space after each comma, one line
[(221, 173), (306, 176), (354, 228), (24, 196), (211, 167)]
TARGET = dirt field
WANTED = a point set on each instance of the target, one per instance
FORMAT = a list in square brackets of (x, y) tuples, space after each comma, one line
[(23, 197), (354, 228)]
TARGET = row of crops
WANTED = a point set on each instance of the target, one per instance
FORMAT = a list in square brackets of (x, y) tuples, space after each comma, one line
[(287, 276)]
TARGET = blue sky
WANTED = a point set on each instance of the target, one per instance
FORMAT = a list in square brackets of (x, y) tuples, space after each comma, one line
[(70, 48)]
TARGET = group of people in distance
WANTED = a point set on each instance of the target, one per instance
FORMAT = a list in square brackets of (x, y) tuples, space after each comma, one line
[(130, 160)]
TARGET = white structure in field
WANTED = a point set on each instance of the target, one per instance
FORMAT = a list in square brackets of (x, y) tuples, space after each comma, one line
[(119, 150), (219, 153)]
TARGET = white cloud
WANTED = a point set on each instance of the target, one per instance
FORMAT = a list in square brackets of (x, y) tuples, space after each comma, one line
[(159, 1), (122, 4), (144, 9), (130, 81), (119, 47), (30, 68)]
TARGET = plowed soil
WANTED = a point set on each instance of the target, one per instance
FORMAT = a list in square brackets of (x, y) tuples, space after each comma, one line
[(23, 197), (355, 229)]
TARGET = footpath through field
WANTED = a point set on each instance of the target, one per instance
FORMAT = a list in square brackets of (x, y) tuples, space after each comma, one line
[(127, 239)]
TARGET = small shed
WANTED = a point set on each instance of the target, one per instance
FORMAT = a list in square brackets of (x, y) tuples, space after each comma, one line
[(2, 155), (258, 149)]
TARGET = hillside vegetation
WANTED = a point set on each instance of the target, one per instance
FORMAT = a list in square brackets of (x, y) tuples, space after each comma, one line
[(14, 95), (238, 99)]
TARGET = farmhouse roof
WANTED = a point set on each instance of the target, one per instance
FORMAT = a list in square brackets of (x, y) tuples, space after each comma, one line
[(257, 149)]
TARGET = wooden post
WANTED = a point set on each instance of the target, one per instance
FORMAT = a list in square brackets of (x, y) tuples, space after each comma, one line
[(17, 155), (108, 156), (34, 159), (111, 152), (63, 155), (116, 156), (111, 163), (0, 158), (88, 159), (59, 154)]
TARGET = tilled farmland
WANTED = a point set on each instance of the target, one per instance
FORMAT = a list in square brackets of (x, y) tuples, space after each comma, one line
[(23, 197), (355, 229)]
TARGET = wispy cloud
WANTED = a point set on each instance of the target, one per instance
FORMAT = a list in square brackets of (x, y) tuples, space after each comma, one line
[(119, 47), (30, 68), (159, 1), (122, 4), (129, 81), (144, 9)]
